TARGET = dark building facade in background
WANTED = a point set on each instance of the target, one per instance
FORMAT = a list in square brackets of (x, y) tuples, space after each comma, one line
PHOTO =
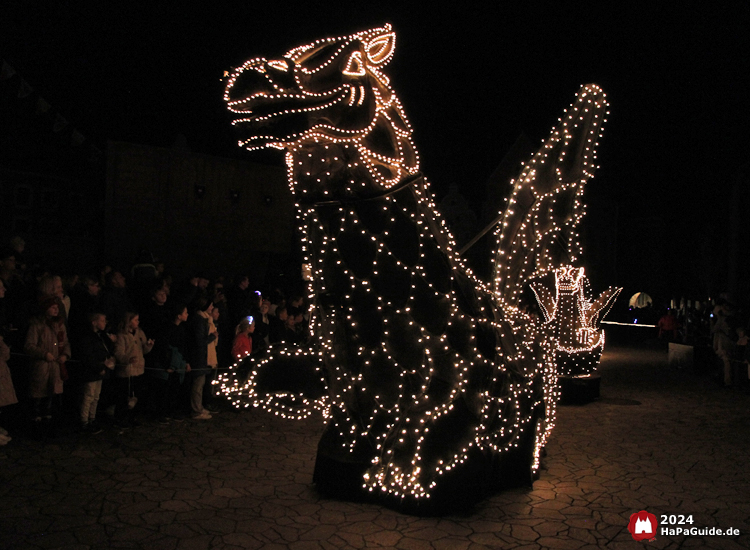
[(51, 177), (195, 211)]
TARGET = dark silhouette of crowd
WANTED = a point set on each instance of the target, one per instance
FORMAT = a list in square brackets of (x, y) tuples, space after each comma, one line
[(113, 349), (719, 325)]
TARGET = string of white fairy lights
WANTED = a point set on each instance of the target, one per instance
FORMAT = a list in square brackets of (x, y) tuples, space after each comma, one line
[(337, 164)]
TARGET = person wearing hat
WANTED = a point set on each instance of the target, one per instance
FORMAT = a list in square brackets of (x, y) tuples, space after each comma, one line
[(47, 344)]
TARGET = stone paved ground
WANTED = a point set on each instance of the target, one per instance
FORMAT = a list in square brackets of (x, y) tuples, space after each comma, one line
[(659, 439)]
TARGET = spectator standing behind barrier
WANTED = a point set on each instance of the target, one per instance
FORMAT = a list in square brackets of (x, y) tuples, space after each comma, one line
[(7, 392), (4, 316), (114, 301), (243, 342), (276, 325), (84, 302), (223, 324), (213, 361), (739, 358), (155, 315), (239, 301), (262, 327), (130, 348), (668, 326), (190, 290), (96, 359), (199, 337), (52, 285), (8, 271), (69, 282), (47, 344), (171, 352), (723, 344), (290, 335)]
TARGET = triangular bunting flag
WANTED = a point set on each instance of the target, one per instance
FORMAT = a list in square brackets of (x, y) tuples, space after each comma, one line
[(24, 89), (42, 106), (6, 71), (77, 138), (60, 123)]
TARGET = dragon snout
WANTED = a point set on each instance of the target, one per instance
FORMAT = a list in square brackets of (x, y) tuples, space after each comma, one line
[(256, 78)]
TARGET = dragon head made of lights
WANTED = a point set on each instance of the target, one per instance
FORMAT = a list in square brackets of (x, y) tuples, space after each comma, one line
[(434, 385)]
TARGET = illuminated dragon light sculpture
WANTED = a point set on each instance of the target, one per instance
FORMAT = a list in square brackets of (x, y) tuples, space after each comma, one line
[(434, 386)]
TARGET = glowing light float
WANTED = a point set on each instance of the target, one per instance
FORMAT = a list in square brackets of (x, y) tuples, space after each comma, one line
[(434, 386), (573, 319)]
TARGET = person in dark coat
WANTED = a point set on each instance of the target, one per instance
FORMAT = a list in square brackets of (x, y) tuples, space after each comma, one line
[(170, 378), (114, 301), (199, 337), (276, 325), (95, 356), (84, 301), (239, 300)]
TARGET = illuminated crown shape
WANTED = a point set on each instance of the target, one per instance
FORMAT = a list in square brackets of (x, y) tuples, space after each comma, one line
[(569, 279), (432, 383), (573, 318)]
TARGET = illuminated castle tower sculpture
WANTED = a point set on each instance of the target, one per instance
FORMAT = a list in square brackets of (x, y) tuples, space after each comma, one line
[(434, 386), (573, 319)]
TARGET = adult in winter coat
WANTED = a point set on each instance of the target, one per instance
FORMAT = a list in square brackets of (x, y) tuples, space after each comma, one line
[(47, 344)]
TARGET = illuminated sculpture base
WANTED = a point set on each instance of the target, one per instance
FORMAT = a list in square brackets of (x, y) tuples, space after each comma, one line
[(578, 380), (578, 363), (578, 390), (482, 474)]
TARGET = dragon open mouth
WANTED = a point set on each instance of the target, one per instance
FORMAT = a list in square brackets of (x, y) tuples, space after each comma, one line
[(264, 119)]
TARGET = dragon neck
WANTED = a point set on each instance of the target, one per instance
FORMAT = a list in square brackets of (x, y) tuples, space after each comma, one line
[(324, 168)]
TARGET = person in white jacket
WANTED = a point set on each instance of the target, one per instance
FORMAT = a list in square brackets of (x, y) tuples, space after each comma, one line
[(130, 348)]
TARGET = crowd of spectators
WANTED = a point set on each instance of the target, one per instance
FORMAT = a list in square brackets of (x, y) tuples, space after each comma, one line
[(721, 325), (107, 347)]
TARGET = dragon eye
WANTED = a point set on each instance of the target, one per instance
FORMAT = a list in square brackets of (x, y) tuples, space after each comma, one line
[(355, 66), (380, 49)]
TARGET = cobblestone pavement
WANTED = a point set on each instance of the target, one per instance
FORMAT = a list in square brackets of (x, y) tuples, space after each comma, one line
[(659, 439)]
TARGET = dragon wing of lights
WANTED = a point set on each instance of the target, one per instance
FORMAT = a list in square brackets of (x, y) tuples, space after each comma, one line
[(538, 231)]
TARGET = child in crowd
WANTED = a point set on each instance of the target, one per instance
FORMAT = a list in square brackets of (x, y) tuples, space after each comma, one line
[(95, 355), (130, 348), (212, 360), (243, 342)]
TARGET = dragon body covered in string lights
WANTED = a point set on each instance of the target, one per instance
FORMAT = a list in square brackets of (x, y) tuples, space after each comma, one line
[(433, 385)]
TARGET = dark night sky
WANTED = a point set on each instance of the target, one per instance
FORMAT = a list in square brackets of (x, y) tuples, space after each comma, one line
[(470, 78)]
